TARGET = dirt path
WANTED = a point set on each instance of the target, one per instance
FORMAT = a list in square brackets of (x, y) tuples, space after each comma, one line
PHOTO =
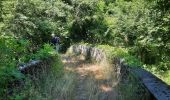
[(92, 81)]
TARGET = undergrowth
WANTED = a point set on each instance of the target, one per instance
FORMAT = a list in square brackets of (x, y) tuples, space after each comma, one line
[(48, 87), (40, 85)]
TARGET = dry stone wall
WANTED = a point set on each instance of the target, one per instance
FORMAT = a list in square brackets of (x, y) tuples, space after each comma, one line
[(35, 67), (93, 53), (157, 88), (99, 56)]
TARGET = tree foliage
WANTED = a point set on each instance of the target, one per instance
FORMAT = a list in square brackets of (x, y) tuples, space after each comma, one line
[(142, 26)]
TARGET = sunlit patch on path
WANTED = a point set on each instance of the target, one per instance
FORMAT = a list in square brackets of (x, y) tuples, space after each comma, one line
[(93, 81)]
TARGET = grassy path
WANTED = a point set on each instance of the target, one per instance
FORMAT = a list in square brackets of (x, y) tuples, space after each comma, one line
[(91, 81)]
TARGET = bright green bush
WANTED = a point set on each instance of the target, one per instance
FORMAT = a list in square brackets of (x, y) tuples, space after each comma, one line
[(10, 48), (14, 52), (8, 75), (48, 53), (122, 53), (41, 87)]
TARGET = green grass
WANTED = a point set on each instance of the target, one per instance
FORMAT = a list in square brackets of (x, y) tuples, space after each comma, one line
[(50, 88), (47, 86)]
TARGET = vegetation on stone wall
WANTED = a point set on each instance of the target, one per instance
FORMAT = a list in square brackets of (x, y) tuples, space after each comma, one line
[(139, 27)]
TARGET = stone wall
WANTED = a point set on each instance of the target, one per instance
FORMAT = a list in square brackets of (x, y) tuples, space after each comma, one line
[(93, 53), (99, 56), (158, 90), (36, 67)]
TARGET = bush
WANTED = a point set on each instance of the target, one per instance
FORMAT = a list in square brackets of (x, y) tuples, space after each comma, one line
[(8, 76), (41, 86), (45, 52), (120, 52), (48, 53), (9, 73)]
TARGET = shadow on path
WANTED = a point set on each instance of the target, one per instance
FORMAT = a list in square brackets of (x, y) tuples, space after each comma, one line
[(93, 81)]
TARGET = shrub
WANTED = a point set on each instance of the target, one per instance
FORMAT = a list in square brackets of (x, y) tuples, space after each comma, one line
[(120, 52), (44, 52), (48, 53), (9, 73)]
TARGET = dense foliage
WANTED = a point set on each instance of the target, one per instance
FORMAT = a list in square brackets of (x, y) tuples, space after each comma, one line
[(140, 26)]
